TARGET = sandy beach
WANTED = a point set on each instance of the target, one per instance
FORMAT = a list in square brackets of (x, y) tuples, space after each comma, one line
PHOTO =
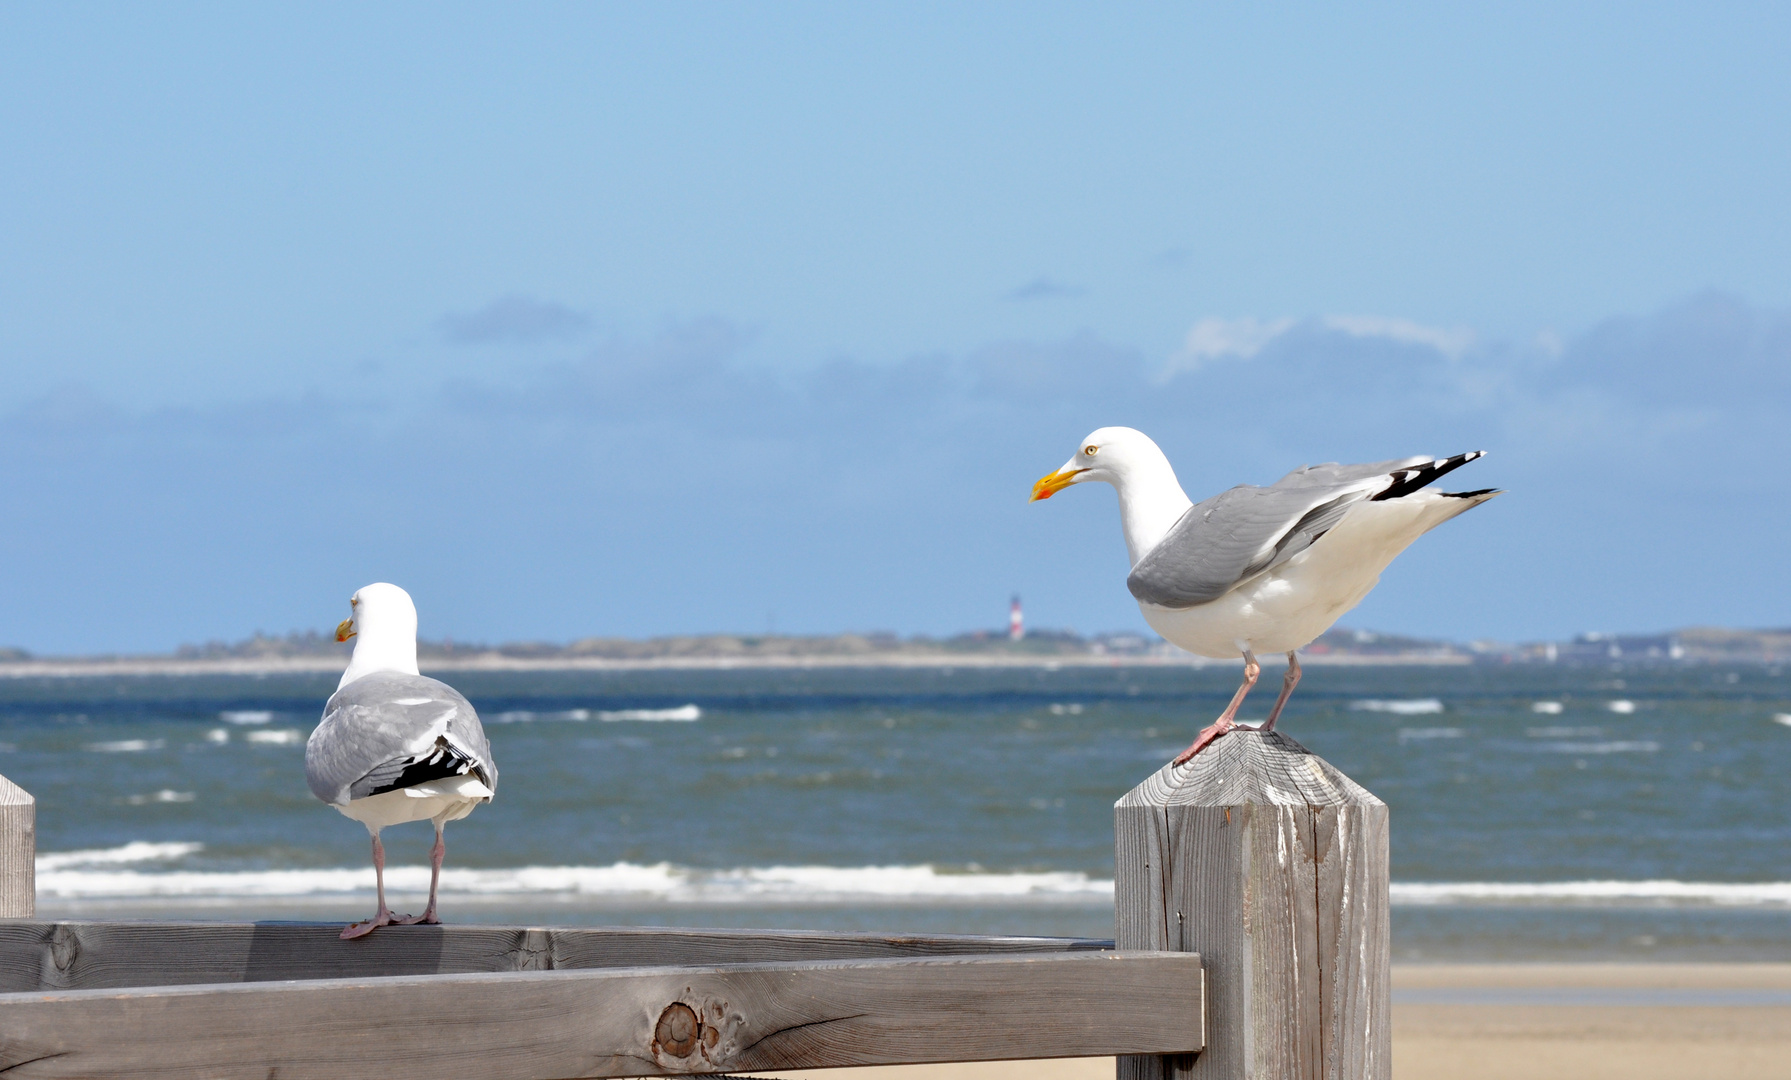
[(1536, 1021)]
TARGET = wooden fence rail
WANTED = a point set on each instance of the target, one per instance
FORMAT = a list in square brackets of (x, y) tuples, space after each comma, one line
[(616, 1022), (44, 956), (1257, 866)]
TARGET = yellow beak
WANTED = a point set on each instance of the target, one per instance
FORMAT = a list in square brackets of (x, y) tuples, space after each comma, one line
[(345, 630), (1052, 483)]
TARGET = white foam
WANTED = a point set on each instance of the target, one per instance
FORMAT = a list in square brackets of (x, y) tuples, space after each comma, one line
[(1399, 707), (1617, 746), (135, 851), (166, 795), (1782, 718), (126, 746), (1666, 893), (281, 737), (681, 714), (524, 716), (662, 883), (106, 874), (1430, 733), (246, 716), (1564, 732), (1621, 707), (217, 735), (1071, 709), (1548, 708)]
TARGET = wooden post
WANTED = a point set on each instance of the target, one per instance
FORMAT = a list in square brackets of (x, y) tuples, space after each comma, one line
[(18, 852), (1271, 864)]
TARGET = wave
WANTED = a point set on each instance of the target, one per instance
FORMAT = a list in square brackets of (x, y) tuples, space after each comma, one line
[(1621, 707), (683, 713), (662, 883), (166, 795), (1782, 718), (126, 746), (107, 874), (1664, 893), (1408, 733), (1616, 746), (279, 737), (1564, 732), (245, 716), (133, 852), (1547, 708), (1399, 707)]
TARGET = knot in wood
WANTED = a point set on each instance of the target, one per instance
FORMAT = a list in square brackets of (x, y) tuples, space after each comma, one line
[(678, 1031)]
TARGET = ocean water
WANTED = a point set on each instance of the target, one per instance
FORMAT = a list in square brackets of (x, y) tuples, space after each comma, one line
[(1537, 812)]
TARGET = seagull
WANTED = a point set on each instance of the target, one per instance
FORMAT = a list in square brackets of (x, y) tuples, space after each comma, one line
[(1259, 568), (395, 746)]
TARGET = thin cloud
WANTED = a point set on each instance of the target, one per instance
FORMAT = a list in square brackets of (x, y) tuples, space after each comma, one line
[(1044, 288), (627, 487), (513, 318), (1450, 342), (1218, 339)]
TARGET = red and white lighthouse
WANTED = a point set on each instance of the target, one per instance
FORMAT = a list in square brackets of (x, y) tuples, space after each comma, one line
[(1016, 622)]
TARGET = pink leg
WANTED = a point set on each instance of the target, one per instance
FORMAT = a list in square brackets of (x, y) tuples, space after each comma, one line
[(384, 918), (1227, 719), (436, 854), (1291, 680)]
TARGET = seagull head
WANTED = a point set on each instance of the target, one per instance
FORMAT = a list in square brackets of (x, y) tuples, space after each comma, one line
[(379, 613), (1110, 454), (383, 622)]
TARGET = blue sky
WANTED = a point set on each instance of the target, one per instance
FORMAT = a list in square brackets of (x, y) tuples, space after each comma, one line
[(644, 319)]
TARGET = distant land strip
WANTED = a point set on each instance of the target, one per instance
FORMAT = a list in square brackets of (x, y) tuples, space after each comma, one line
[(299, 653)]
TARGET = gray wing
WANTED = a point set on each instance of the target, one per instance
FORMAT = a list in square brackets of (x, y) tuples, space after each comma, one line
[(388, 730), (1333, 473), (1237, 534)]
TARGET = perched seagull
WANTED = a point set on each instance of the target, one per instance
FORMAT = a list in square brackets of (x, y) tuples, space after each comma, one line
[(395, 746), (1259, 568)]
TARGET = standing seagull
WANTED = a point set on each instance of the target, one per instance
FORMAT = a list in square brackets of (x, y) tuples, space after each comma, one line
[(395, 746), (1259, 568)]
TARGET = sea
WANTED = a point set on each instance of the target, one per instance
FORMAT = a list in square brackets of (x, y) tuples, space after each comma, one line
[(1639, 813)]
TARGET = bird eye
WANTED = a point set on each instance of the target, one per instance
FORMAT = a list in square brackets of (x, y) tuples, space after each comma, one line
[(1090, 449)]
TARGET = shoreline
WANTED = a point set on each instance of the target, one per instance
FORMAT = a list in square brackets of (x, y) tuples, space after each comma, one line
[(74, 668)]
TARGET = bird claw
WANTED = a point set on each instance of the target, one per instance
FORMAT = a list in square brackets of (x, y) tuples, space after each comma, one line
[(384, 918), (362, 929), (1206, 736)]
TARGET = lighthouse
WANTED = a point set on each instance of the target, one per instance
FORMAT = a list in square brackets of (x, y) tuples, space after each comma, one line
[(1016, 622)]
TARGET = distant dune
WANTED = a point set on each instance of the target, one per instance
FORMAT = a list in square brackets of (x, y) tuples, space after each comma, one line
[(313, 652)]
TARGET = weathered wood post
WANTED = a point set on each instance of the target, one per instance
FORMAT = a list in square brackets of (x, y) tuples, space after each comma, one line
[(18, 852), (1271, 864)]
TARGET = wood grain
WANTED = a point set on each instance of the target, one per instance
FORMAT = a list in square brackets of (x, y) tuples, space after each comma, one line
[(538, 1025), (101, 955), (18, 852), (1273, 865)]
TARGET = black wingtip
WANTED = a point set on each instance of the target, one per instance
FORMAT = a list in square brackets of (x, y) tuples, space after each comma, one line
[(1406, 481)]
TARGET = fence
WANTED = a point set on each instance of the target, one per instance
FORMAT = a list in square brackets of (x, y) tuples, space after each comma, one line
[(1251, 896)]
